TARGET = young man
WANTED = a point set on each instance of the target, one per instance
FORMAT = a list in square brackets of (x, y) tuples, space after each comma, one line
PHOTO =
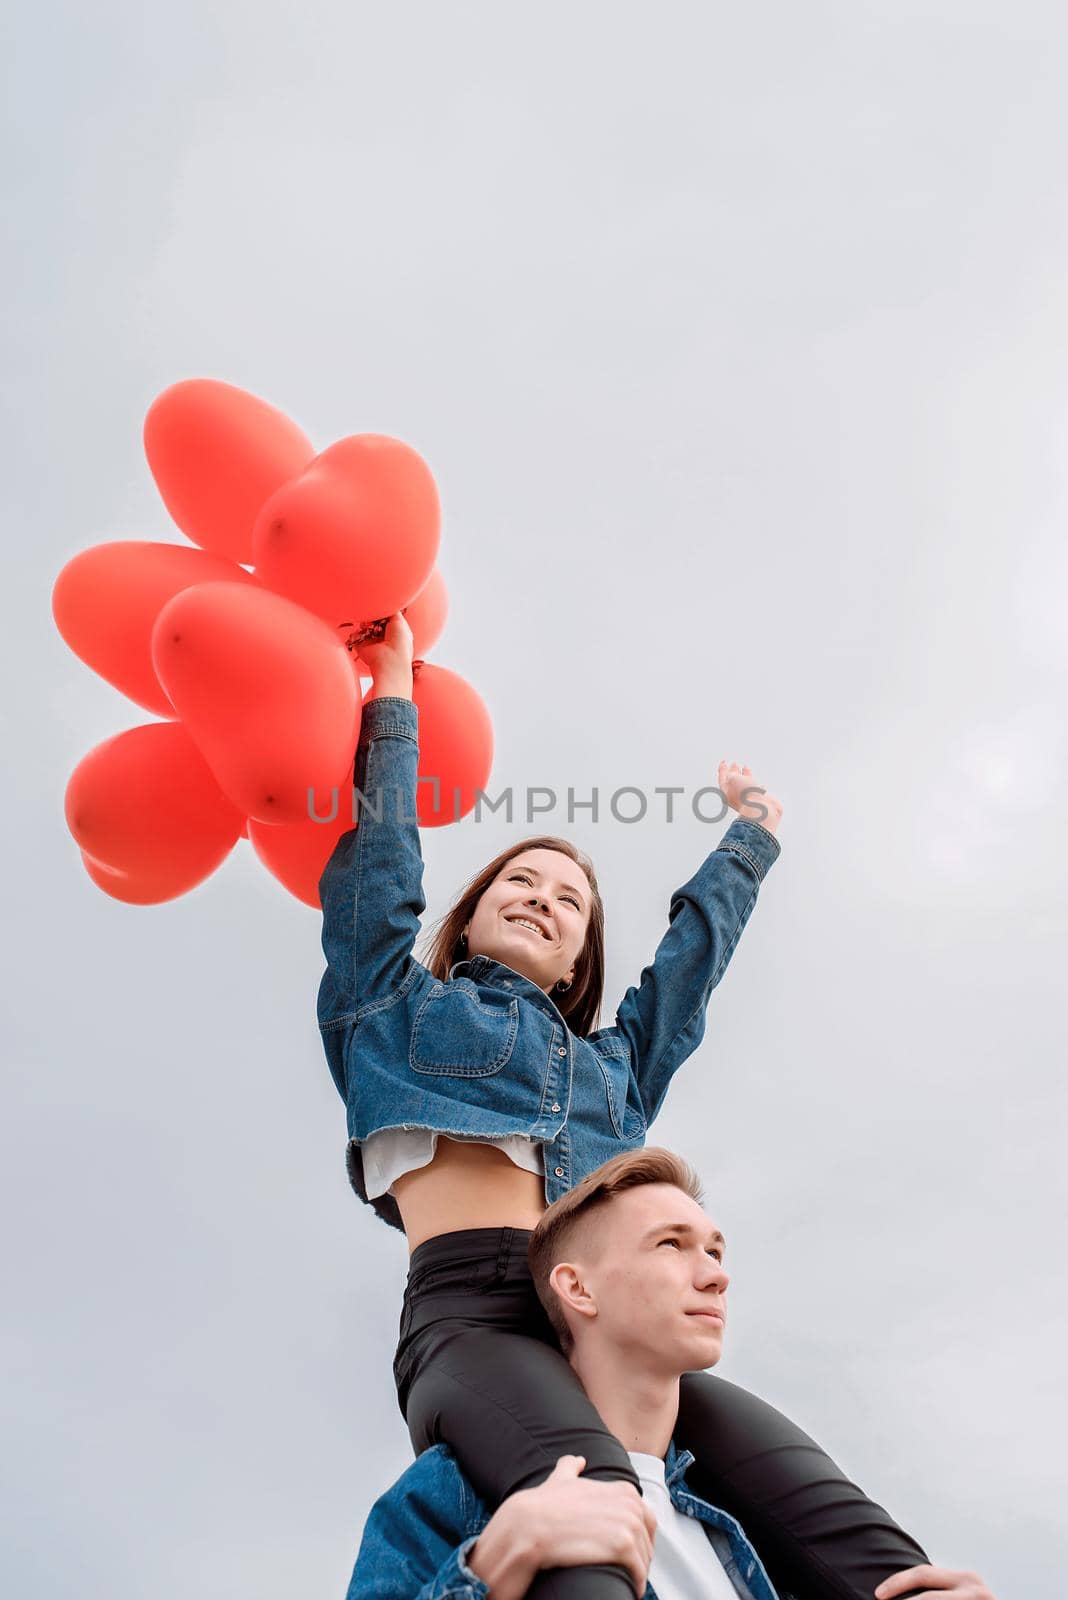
[(630, 1270)]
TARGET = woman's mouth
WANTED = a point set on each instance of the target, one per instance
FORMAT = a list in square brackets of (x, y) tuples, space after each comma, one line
[(531, 927)]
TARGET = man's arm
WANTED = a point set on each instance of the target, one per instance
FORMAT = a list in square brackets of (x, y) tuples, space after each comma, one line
[(428, 1538), (567, 1521)]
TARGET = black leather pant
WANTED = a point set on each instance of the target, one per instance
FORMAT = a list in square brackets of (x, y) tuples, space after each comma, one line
[(478, 1368)]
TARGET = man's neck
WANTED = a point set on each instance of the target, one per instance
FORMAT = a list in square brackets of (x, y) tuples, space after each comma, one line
[(639, 1406)]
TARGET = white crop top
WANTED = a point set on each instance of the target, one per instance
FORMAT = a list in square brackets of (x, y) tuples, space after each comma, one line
[(392, 1151)]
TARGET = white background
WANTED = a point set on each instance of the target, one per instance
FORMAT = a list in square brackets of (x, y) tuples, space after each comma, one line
[(736, 341)]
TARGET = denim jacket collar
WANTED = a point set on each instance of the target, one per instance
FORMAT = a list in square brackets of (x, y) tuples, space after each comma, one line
[(489, 970), (676, 1463), (740, 1560)]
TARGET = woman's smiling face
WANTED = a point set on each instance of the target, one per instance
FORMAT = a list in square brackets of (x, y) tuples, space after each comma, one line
[(544, 888)]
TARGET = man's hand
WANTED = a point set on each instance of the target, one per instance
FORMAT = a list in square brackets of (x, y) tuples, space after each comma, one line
[(567, 1521), (389, 661), (743, 794), (931, 1583)]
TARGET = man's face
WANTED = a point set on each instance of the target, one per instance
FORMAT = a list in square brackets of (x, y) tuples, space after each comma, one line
[(653, 1266)]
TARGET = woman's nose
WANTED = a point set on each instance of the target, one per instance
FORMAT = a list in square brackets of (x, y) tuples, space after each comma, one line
[(536, 900)]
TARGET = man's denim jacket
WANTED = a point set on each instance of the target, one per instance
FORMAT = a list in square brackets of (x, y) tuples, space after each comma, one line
[(485, 1052), (420, 1532)]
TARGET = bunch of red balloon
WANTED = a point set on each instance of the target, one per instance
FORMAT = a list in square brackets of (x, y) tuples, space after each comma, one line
[(248, 647)]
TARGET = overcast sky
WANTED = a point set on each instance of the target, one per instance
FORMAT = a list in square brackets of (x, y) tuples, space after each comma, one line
[(736, 341)]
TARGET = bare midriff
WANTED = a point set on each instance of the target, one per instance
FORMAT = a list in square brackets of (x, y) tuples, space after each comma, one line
[(467, 1185)]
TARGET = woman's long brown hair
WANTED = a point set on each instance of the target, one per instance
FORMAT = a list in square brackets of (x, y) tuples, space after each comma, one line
[(578, 1005)]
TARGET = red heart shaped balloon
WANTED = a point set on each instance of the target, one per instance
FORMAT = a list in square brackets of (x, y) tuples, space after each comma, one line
[(144, 804), (455, 744), (141, 888), (106, 601), (217, 453), (426, 614), (296, 853), (355, 536), (267, 691)]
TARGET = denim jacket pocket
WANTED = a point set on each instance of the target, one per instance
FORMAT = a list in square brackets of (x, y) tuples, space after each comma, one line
[(457, 1034), (627, 1120)]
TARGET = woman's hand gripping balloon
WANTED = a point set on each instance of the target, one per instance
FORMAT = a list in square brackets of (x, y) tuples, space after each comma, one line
[(742, 792), (389, 658)]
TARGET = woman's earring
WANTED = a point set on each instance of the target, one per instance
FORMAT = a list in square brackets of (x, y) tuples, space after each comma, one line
[(463, 938), (564, 987)]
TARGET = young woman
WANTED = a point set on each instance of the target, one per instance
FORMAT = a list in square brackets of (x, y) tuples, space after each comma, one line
[(479, 1088)]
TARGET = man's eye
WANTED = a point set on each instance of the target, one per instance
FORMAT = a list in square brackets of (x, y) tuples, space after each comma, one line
[(675, 1242)]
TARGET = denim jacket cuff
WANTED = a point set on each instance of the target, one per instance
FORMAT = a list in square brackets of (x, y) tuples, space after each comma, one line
[(455, 1580), (389, 714), (754, 844)]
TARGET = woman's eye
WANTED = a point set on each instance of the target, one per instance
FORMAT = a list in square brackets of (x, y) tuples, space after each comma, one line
[(522, 877)]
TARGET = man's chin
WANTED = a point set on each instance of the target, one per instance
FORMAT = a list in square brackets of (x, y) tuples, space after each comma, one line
[(706, 1344)]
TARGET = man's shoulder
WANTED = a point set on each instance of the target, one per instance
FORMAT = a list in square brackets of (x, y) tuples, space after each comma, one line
[(437, 1485), (418, 1533)]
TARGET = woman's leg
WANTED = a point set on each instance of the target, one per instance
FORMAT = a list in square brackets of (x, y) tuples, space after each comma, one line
[(509, 1405), (478, 1368), (819, 1536)]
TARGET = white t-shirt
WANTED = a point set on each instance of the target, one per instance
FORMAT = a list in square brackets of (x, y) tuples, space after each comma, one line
[(391, 1151), (684, 1565)]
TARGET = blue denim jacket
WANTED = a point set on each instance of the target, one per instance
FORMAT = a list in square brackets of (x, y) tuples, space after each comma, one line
[(420, 1532), (486, 1052)]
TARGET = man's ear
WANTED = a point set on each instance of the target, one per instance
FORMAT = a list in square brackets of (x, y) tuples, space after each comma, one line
[(567, 1282)]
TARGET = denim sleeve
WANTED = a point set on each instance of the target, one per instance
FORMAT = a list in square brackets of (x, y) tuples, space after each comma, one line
[(389, 1575), (419, 1535), (454, 1579), (372, 886), (663, 1017)]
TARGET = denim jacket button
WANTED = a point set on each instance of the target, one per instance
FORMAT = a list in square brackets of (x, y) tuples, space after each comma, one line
[(555, 1108), (562, 1050), (559, 1172)]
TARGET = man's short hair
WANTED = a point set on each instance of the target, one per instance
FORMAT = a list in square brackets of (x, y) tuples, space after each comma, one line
[(566, 1225)]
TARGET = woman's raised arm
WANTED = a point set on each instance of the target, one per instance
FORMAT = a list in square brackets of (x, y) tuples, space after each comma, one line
[(372, 886), (662, 1017)]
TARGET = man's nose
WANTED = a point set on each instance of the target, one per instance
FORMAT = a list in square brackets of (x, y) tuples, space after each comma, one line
[(713, 1275)]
